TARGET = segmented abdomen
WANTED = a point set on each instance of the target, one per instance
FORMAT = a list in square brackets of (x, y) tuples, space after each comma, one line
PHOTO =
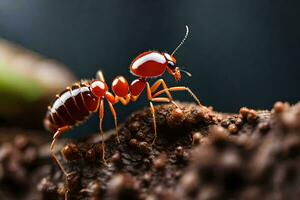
[(71, 107)]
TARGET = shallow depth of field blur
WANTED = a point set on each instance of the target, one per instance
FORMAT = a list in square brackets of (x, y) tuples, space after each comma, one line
[(241, 53)]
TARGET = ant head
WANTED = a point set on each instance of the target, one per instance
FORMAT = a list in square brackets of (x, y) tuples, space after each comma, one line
[(98, 88), (171, 67)]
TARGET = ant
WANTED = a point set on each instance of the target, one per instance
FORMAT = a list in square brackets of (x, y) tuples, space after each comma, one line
[(77, 102)]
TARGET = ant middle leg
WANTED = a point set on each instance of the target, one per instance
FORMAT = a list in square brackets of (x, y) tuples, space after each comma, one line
[(152, 109)]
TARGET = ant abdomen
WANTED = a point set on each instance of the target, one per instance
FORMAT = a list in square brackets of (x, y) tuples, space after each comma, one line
[(71, 107)]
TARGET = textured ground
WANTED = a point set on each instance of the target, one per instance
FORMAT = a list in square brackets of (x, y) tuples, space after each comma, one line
[(199, 154)]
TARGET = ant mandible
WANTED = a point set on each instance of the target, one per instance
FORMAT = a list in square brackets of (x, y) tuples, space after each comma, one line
[(77, 102)]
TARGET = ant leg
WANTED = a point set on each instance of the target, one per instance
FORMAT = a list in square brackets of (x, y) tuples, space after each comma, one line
[(66, 195), (100, 76), (115, 99), (56, 136), (156, 99), (154, 122), (149, 96), (179, 88), (124, 100), (159, 82), (161, 99), (134, 98), (101, 115), (114, 114)]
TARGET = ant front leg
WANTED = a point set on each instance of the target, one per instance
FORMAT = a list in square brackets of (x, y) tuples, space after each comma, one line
[(56, 136), (179, 88), (101, 115), (156, 85)]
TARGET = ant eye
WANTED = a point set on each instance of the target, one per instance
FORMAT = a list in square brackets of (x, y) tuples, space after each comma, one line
[(171, 65)]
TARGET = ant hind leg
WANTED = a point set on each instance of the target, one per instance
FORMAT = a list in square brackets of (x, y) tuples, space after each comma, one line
[(101, 115), (114, 114), (56, 136)]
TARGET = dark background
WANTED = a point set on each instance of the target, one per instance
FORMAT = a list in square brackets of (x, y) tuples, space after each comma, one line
[(240, 52)]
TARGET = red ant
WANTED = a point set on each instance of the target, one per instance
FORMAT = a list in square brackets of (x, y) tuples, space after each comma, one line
[(78, 101)]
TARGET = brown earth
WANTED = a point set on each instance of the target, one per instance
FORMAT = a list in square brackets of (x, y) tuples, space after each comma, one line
[(199, 154)]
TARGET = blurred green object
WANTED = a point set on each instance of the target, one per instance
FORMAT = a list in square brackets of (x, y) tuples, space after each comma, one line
[(28, 82), (15, 86)]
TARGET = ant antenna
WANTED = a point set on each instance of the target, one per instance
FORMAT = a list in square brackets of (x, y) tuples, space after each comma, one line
[(186, 72), (182, 41)]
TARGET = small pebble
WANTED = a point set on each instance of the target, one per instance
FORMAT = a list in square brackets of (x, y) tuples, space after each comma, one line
[(232, 128), (249, 114), (239, 122), (280, 107), (140, 135), (176, 117), (217, 133), (252, 116), (125, 133), (71, 152), (161, 161), (135, 126), (225, 123), (90, 155), (147, 178), (144, 147), (179, 152), (244, 112), (116, 157), (133, 142), (197, 138)]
